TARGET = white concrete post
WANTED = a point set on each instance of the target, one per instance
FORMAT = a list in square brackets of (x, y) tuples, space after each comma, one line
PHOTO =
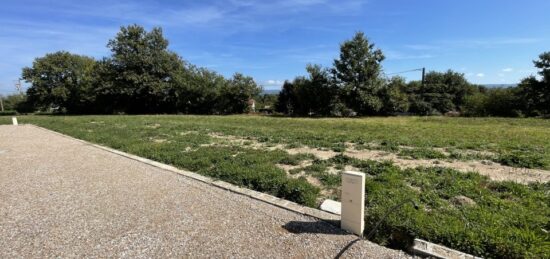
[(353, 202), (14, 120)]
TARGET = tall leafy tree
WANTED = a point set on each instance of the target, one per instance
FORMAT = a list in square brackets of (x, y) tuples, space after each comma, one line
[(535, 93), (287, 98), (359, 74), (311, 95), (321, 90), (141, 73), (61, 80), (235, 94), (198, 90), (393, 96), (543, 63)]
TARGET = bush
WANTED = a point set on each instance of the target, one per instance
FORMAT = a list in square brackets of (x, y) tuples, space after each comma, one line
[(7, 113)]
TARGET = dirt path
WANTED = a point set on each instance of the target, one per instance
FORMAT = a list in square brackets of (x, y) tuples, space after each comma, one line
[(63, 198)]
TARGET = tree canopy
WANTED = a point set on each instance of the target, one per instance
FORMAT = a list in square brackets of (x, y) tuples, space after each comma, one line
[(142, 75), (358, 73), (61, 80)]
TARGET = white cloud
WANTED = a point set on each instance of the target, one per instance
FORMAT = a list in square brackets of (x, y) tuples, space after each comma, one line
[(480, 75), (273, 82), (508, 69)]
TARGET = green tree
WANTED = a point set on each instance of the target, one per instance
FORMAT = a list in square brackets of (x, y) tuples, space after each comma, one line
[(543, 63), (14, 102), (320, 91), (141, 75), (198, 90), (441, 92), (358, 72), (287, 98), (534, 93), (235, 94), (306, 96), (61, 80), (393, 96)]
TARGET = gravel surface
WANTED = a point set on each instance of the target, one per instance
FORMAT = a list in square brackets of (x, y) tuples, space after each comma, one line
[(63, 198)]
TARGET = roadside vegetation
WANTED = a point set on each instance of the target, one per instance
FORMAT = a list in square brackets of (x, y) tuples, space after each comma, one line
[(462, 210)]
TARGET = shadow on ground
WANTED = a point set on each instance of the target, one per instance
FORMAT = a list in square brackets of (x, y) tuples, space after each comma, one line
[(315, 227)]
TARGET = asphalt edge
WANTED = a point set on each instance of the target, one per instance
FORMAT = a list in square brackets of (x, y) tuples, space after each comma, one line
[(270, 199)]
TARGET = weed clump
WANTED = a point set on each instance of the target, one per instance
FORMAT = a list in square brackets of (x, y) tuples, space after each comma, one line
[(422, 153), (522, 159)]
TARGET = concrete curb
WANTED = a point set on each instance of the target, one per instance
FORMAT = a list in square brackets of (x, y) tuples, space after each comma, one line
[(288, 205), (425, 248)]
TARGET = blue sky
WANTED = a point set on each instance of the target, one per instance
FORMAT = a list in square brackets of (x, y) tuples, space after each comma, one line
[(490, 41)]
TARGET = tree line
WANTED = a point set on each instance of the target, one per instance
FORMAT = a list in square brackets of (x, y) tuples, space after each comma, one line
[(143, 76), (140, 76), (356, 85)]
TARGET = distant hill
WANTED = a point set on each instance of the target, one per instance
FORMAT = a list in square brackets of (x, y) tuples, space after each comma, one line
[(271, 91), (500, 85)]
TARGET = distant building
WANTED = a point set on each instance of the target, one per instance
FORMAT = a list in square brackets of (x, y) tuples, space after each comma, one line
[(252, 104), (266, 110)]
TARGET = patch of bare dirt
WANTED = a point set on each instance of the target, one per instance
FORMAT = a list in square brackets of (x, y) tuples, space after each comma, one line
[(158, 140), (288, 168), (493, 170), (462, 201), (243, 142), (333, 170), (321, 154), (184, 133)]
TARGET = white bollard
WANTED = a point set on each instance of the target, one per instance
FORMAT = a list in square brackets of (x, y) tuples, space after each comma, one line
[(14, 120), (353, 202)]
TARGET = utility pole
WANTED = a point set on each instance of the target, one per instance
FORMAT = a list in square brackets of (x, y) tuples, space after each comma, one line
[(18, 85), (423, 75), (413, 70)]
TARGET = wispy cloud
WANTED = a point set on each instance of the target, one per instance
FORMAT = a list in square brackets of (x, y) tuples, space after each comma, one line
[(422, 47), (488, 43), (448, 44), (507, 70)]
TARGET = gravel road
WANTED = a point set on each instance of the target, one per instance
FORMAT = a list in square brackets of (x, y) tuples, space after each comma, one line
[(63, 198)]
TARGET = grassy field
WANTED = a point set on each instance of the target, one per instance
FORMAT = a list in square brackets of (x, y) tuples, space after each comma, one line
[(466, 211)]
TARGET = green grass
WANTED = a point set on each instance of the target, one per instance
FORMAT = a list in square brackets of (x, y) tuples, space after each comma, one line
[(422, 153), (508, 220), (498, 135)]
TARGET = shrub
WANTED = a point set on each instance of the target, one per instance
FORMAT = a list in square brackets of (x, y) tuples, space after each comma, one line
[(8, 113)]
